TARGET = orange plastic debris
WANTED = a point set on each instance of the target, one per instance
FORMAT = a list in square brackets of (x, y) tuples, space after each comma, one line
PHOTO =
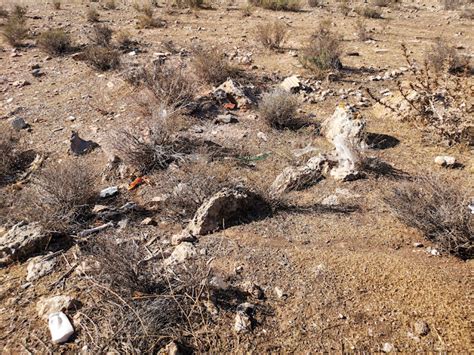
[(230, 106), (135, 183)]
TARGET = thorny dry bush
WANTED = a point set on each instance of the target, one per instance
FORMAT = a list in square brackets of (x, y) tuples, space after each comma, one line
[(439, 210), (169, 84), (92, 15), (440, 102), (277, 5), (61, 196), (368, 12), (12, 158), (443, 56), (212, 66), (272, 35), (278, 108), (15, 29), (139, 305), (323, 51), (102, 58), (55, 42), (101, 35)]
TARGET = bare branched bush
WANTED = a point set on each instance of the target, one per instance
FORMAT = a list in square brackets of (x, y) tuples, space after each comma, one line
[(277, 5), (102, 58), (15, 29), (439, 210), (92, 15), (272, 35), (145, 21), (442, 55), (124, 41), (368, 12), (57, 4), (55, 42), (212, 66), (450, 4), (61, 197), (12, 158), (361, 30), (169, 84), (110, 5), (441, 102), (278, 108), (140, 306), (101, 35), (323, 51)]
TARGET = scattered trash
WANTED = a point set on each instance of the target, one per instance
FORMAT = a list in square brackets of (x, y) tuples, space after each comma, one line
[(135, 183), (109, 192), (60, 327)]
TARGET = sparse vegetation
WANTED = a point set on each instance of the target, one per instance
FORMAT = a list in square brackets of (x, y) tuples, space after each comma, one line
[(102, 58), (277, 5), (57, 4), (55, 42), (361, 30), (368, 12), (443, 56), (450, 4), (322, 52), (101, 35), (314, 3), (278, 109), (439, 210), (92, 15), (3, 12), (10, 157), (110, 5), (272, 35), (124, 41), (212, 66), (192, 4), (344, 7), (15, 29)]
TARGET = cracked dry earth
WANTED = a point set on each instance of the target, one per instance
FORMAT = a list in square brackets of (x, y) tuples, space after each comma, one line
[(349, 275)]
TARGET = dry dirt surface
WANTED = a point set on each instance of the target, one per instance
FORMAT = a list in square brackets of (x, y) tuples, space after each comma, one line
[(343, 276)]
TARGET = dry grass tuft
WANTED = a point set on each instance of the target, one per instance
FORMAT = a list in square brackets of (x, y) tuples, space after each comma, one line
[(56, 4), (102, 58), (361, 30), (278, 108), (212, 66), (439, 210), (15, 29), (443, 55), (12, 158), (101, 35), (3, 12), (92, 15), (110, 5), (277, 5), (272, 35), (322, 53), (55, 42), (192, 4), (450, 4), (368, 12), (124, 41)]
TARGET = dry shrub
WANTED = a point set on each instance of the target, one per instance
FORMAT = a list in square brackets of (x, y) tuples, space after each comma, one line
[(140, 306), (384, 3), (278, 108), (169, 84), (19, 12), (323, 51), (439, 210), (272, 35), (192, 4), (277, 5), (314, 3), (466, 13), (450, 4), (15, 29), (101, 35), (247, 10), (145, 21), (211, 66), (124, 41), (3, 12), (440, 102), (443, 55), (57, 4), (344, 7), (110, 5), (13, 158), (102, 58), (61, 197), (368, 12), (92, 15), (361, 30), (55, 42)]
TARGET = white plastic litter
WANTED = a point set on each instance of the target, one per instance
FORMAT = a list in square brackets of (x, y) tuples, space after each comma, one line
[(60, 327)]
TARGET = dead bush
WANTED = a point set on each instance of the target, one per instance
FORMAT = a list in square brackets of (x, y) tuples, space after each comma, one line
[(101, 35), (368, 12), (124, 41), (212, 66), (12, 158), (110, 5), (439, 210), (277, 5), (102, 58), (344, 7), (443, 56), (322, 52), (145, 21), (55, 42), (278, 109), (61, 197), (192, 4), (92, 15), (272, 35), (169, 84), (15, 30), (361, 30), (140, 306), (57, 4), (3, 12), (466, 13), (450, 4), (247, 10), (19, 12), (441, 102), (314, 3), (384, 3)]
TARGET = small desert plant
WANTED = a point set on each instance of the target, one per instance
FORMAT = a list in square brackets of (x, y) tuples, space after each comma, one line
[(212, 66), (272, 35), (450, 4), (383, 3), (442, 55), (19, 12), (368, 12), (344, 7), (193, 4), (55, 42), (110, 5), (278, 108), (92, 15), (123, 40), (15, 30), (101, 35), (361, 30), (3, 12), (247, 10), (57, 4), (10, 158), (439, 210), (278, 5), (314, 3), (144, 21), (322, 52), (102, 58), (63, 194), (467, 13)]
